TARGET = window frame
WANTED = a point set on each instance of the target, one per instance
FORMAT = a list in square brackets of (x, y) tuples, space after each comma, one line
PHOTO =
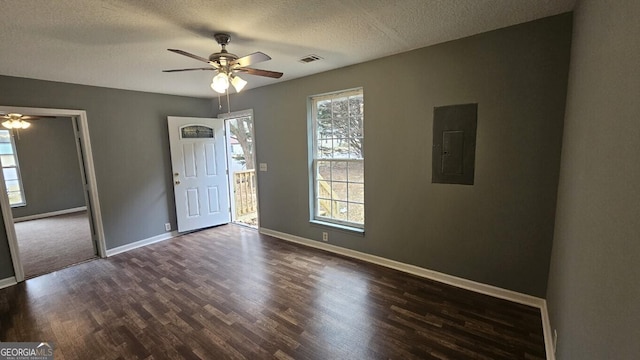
[(18, 172), (314, 159)]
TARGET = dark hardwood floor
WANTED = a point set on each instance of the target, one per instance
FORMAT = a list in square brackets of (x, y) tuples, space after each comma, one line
[(231, 293)]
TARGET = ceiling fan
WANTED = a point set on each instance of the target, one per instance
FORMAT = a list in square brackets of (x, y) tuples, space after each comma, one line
[(18, 121), (228, 65)]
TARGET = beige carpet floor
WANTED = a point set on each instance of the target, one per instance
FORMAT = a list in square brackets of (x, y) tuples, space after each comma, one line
[(53, 243)]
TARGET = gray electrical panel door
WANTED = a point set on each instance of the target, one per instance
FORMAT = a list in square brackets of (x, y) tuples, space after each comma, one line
[(454, 144)]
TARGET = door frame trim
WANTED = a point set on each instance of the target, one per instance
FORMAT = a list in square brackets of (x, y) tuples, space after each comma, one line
[(87, 157), (235, 115)]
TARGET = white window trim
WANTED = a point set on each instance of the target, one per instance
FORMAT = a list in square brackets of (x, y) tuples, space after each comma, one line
[(313, 150)]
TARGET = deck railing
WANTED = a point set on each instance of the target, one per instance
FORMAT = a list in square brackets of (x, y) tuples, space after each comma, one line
[(327, 207), (244, 186)]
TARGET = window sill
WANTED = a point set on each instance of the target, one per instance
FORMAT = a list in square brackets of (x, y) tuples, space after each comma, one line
[(345, 228)]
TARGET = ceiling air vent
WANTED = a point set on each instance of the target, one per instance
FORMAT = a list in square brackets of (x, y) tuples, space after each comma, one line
[(310, 58)]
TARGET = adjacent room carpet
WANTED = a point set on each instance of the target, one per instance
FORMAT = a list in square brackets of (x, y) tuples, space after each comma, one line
[(53, 243)]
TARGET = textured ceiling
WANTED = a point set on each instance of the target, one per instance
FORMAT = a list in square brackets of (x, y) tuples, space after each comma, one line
[(122, 43)]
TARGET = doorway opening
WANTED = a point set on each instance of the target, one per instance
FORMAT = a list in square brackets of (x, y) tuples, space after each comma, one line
[(47, 197), (242, 169), (54, 221)]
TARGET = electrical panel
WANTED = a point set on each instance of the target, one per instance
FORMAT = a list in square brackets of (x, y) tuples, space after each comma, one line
[(454, 144)]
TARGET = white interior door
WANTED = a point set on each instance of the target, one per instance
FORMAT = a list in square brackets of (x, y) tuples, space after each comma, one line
[(198, 159)]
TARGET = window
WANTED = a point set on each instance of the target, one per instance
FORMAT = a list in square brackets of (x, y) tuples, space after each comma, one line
[(10, 169), (338, 158)]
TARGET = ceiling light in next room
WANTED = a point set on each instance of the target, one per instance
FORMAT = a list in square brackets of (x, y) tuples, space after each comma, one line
[(14, 121)]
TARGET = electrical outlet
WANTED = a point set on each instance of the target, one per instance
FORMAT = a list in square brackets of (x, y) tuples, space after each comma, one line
[(167, 226), (325, 236), (555, 340)]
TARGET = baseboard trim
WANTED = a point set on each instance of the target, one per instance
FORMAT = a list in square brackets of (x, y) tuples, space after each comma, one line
[(8, 282), (49, 214), (141, 243), (471, 285)]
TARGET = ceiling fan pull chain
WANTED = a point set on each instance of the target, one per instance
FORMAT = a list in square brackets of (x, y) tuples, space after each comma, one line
[(228, 103), (219, 103)]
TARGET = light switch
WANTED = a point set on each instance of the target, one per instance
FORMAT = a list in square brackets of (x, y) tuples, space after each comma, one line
[(263, 166)]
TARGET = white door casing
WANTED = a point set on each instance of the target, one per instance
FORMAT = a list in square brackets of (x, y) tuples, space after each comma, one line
[(227, 117), (93, 204), (198, 160)]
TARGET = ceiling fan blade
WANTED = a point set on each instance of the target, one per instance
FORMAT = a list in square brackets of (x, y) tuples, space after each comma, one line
[(267, 73), (251, 59), (28, 117), (200, 58), (34, 117), (176, 70)]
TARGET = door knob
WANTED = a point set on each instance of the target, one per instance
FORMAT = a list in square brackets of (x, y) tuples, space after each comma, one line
[(177, 182)]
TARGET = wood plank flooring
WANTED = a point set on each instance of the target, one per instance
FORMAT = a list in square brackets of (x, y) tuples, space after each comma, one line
[(231, 293)]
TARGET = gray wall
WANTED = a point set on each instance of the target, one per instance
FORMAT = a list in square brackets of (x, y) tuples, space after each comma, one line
[(498, 231), (130, 144), (49, 167), (594, 285)]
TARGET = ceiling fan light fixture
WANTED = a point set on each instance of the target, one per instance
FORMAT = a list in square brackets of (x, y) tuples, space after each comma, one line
[(238, 83), (220, 83), (227, 64), (15, 122)]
